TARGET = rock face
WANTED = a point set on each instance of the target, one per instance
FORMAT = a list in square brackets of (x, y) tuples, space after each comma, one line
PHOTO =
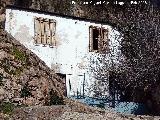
[(155, 100), (24, 78), (58, 6)]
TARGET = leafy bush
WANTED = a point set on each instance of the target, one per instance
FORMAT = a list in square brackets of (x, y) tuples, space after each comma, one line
[(18, 71), (19, 55), (25, 92), (1, 78), (55, 99), (6, 107)]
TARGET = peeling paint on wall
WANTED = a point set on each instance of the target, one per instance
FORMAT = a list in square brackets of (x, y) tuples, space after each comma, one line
[(23, 34)]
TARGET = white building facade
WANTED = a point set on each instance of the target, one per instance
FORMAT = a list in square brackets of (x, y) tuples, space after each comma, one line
[(66, 44)]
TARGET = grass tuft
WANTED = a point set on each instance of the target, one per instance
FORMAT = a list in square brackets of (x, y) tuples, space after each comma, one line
[(19, 54), (6, 107)]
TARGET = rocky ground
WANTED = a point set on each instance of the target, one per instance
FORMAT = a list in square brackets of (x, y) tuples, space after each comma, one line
[(66, 112)]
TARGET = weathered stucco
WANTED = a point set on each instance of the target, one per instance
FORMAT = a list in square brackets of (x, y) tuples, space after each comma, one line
[(71, 54)]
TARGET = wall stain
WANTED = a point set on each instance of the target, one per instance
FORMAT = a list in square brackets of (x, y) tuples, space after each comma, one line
[(23, 34)]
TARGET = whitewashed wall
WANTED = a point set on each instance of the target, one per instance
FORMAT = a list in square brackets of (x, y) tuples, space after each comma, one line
[(71, 56)]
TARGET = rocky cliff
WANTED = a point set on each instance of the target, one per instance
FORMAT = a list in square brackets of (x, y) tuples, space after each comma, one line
[(24, 78)]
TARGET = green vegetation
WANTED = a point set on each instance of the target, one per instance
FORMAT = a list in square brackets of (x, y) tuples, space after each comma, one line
[(55, 99), (19, 54), (5, 63), (6, 107), (25, 92), (1, 78), (18, 71)]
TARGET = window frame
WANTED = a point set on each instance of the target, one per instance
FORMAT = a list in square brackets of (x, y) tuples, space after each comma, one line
[(103, 39), (43, 31)]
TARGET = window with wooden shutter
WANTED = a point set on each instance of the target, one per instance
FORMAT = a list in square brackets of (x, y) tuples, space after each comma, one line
[(98, 39), (45, 30), (37, 32), (105, 40), (52, 32)]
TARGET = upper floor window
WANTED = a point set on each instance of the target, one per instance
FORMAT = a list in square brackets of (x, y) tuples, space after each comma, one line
[(98, 39), (44, 31)]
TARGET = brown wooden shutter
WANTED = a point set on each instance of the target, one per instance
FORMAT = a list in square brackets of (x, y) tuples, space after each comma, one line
[(105, 40), (90, 38), (99, 39), (48, 33), (46, 30), (52, 32), (37, 32), (42, 31)]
